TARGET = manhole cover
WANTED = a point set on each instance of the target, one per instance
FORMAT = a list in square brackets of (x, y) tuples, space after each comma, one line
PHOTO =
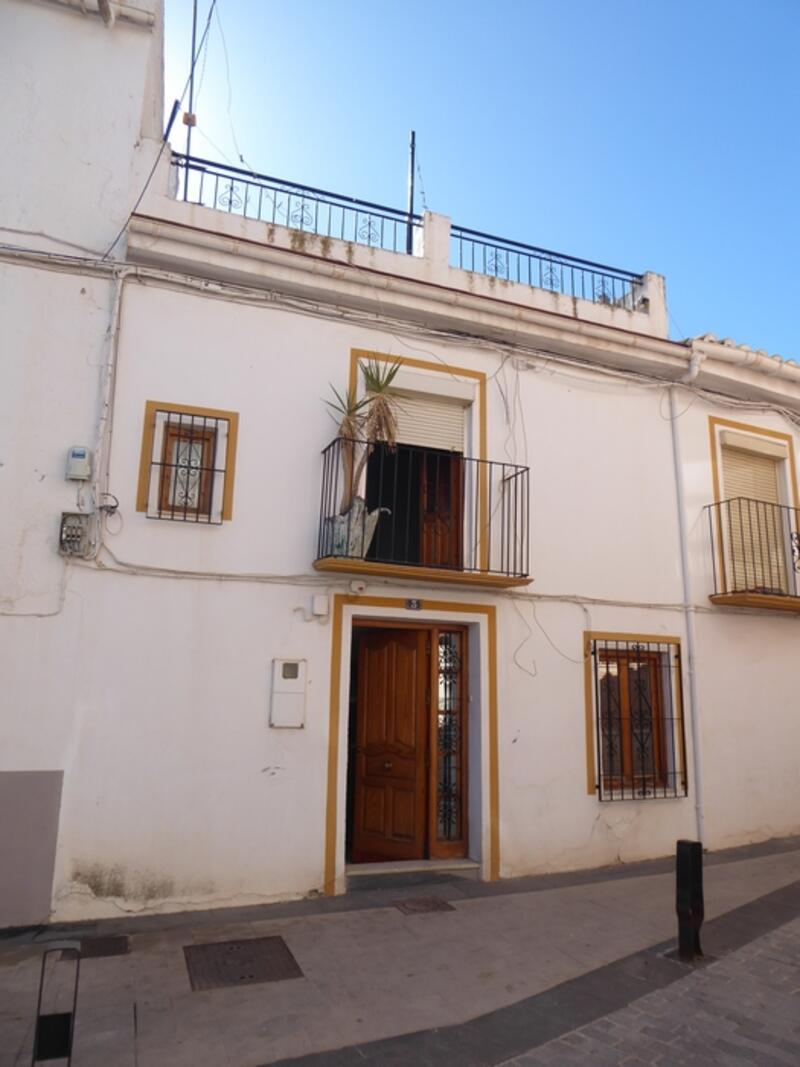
[(97, 947), (417, 905), (227, 963)]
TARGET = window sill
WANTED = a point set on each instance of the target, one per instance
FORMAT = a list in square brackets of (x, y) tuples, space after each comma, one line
[(764, 601), (367, 569)]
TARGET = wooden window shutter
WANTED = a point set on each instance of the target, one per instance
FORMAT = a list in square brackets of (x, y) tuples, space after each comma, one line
[(430, 422)]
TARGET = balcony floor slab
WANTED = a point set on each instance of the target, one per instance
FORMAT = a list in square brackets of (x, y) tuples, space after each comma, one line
[(368, 569), (764, 601)]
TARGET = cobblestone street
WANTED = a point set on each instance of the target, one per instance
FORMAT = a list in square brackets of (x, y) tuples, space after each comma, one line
[(744, 1008)]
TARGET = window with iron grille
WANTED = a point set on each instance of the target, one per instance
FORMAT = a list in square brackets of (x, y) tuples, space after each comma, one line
[(637, 716), (186, 469)]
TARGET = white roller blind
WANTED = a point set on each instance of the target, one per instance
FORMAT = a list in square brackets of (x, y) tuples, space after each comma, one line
[(763, 446), (749, 474), (430, 421), (755, 535)]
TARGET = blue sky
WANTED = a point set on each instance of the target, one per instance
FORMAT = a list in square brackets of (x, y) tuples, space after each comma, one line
[(650, 135)]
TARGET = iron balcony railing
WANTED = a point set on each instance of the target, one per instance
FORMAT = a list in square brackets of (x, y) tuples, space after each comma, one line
[(416, 506), (755, 547), (511, 261), (300, 207)]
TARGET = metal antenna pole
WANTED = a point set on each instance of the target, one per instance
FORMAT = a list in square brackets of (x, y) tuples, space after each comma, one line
[(412, 151), (189, 118)]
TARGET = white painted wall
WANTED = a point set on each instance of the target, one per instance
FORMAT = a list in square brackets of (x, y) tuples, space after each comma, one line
[(84, 125), (53, 345), (155, 698)]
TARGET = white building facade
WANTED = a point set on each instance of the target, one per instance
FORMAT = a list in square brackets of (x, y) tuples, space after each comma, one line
[(567, 636)]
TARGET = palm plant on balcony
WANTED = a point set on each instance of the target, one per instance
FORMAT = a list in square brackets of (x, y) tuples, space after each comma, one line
[(362, 423)]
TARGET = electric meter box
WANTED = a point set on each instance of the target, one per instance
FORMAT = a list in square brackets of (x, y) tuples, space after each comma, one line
[(288, 694), (79, 464)]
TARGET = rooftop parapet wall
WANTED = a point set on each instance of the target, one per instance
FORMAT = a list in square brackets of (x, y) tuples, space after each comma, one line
[(436, 252)]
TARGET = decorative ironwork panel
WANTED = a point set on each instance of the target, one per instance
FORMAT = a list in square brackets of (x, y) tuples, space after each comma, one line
[(229, 198), (302, 217), (368, 231), (449, 806)]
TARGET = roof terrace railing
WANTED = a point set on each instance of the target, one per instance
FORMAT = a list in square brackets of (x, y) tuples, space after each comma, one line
[(300, 207), (316, 211), (511, 261)]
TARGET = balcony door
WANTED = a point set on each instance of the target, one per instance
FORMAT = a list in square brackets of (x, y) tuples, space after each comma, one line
[(756, 535), (419, 485), (441, 507)]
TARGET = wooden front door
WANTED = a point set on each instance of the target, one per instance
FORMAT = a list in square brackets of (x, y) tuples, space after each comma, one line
[(389, 803)]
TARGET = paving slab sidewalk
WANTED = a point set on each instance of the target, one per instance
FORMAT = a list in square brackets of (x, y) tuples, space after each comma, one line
[(369, 973)]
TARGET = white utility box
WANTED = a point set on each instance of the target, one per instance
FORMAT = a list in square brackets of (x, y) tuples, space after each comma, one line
[(288, 697), (79, 464)]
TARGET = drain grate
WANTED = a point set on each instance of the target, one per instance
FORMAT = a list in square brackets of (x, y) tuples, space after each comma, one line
[(419, 905), (231, 963), (93, 948)]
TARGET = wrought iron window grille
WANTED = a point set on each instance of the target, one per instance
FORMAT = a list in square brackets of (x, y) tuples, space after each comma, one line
[(638, 719), (188, 467)]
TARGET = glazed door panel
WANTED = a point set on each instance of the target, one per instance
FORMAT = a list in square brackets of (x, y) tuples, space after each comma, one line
[(391, 744)]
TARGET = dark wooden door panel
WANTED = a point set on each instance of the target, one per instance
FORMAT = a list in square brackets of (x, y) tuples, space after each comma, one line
[(441, 509), (390, 779)]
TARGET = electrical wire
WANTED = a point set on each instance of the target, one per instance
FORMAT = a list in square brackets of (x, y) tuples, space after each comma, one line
[(270, 299), (242, 160), (153, 169), (150, 570), (422, 196), (201, 79), (396, 327), (515, 654), (551, 642)]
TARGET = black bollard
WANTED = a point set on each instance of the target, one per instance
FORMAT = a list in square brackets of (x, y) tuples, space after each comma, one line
[(689, 898)]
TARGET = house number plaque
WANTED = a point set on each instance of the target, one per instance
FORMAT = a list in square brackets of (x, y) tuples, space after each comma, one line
[(413, 605)]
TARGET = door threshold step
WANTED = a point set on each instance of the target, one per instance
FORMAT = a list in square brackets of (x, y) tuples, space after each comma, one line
[(406, 874), (355, 870)]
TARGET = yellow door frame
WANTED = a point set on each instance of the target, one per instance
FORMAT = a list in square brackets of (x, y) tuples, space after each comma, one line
[(340, 601)]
